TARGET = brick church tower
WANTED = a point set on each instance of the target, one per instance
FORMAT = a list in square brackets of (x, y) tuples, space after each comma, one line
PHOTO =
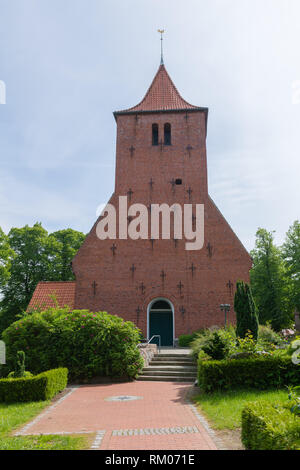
[(158, 284)]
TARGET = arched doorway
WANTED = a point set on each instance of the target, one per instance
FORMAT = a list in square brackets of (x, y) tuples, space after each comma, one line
[(161, 321)]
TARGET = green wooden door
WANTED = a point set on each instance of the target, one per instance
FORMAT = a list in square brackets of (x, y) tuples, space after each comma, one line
[(161, 323)]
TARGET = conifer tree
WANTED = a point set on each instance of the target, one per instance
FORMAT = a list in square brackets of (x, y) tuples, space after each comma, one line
[(246, 311)]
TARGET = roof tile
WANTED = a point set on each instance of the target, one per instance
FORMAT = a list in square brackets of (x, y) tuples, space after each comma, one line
[(162, 95), (64, 293)]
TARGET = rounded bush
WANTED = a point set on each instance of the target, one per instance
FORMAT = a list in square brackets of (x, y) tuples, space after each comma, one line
[(214, 342), (218, 345), (88, 344)]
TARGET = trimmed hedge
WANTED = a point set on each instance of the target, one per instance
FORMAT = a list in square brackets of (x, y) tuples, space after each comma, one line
[(38, 388), (260, 372), (267, 427)]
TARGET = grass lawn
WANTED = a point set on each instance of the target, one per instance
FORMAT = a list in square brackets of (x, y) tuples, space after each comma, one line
[(223, 409), (13, 416)]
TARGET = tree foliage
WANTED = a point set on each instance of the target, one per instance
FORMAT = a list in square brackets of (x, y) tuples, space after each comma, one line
[(67, 242), (270, 282), (6, 256), (246, 311), (291, 255), (37, 256)]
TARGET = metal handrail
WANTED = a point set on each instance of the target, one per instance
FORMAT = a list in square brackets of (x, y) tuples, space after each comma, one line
[(159, 341)]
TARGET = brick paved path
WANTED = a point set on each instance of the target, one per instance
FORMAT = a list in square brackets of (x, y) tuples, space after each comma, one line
[(160, 418)]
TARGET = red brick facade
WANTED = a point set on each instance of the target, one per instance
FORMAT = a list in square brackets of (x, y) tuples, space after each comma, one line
[(105, 279)]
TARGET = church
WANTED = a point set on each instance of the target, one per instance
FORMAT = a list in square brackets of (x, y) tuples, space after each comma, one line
[(163, 288)]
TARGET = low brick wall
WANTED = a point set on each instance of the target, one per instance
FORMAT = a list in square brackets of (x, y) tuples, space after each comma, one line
[(147, 351)]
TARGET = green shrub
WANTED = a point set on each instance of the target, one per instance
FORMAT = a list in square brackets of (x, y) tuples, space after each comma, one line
[(38, 388), (269, 427), (268, 338), (294, 399), (259, 372), (244, 347), (198, 342), (248, 347), (20, 371), (206, 337), (20, 366), (184, 341), (88, 344), (203, 357), (217, 345)]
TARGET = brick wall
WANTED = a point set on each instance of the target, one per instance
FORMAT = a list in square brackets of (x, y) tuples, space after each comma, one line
[(118, 289)]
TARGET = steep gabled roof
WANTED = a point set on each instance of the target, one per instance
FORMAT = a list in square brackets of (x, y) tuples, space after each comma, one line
[(45, 292), (162, 95)]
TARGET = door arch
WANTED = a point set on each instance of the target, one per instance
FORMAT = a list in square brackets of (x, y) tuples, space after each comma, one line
[(160, 321)]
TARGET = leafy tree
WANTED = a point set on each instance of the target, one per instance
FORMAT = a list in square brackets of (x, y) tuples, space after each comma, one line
[(30, 265), (67, 242), (291, 254), (38, 256), (6, 256), (270, 283), (246, 311)]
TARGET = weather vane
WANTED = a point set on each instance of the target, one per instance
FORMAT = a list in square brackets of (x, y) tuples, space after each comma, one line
[(161, 32)]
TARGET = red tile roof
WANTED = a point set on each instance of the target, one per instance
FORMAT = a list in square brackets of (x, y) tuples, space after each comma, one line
[(162, 95), (64, 293)]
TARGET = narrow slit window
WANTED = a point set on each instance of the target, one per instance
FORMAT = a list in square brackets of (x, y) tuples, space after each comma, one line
[(167, 134), (154, 134)]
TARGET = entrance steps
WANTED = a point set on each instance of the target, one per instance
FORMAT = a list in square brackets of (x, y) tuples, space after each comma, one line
[(170, 367)]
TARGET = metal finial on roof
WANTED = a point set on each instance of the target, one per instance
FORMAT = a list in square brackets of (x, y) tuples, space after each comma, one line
[(161, 32)]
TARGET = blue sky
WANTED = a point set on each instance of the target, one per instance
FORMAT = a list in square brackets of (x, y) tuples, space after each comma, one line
[(68, 64)]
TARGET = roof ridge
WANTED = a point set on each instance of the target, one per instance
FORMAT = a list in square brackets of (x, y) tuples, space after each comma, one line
[(56, 282)]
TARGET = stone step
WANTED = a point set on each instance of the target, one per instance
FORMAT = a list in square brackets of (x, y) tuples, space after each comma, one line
[(172, 368), (174, 356), (164, 378), (170, 373), (170, 363)]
